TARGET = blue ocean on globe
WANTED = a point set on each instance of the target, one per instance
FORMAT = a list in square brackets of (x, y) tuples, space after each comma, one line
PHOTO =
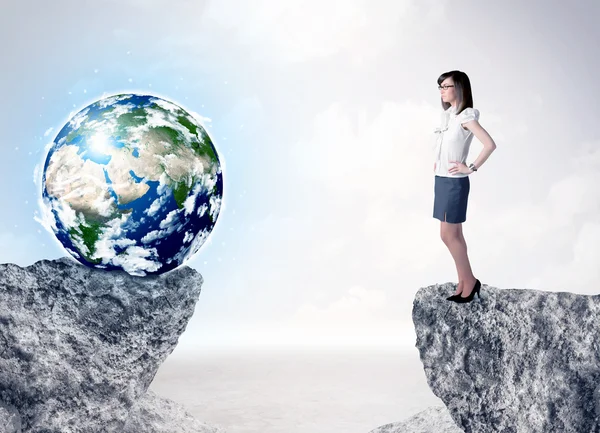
[(134, 183)]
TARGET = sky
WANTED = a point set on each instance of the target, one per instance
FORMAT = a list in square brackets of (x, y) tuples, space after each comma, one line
[(323, 113)]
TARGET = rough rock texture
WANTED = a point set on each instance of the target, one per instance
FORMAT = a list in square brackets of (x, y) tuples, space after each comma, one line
[(516, 361), (10, 420), (80, 346), (150, 414), (155, 414), (431, 420)]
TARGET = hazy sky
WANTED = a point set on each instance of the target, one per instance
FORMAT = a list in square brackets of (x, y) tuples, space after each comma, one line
[(323, 115)]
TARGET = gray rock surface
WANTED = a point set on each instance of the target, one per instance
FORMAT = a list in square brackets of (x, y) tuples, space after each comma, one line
[(10, 420), (516, 361), (79, 346), (155, 414), (431, 420)]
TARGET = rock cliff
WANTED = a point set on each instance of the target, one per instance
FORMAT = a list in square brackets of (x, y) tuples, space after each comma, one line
[(514, 361), (79, 347)]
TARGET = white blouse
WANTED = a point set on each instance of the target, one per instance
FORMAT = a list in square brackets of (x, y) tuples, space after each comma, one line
[(453, 141)]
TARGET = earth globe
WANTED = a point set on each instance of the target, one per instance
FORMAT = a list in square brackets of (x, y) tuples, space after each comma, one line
[(132, 182)]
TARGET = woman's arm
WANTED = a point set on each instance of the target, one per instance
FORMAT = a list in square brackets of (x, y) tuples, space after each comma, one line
[(482, 135)]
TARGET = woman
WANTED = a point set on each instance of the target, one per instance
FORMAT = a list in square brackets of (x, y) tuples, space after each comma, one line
[(452, 185)]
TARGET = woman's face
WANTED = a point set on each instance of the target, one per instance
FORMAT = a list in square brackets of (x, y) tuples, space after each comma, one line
[(448, 94)]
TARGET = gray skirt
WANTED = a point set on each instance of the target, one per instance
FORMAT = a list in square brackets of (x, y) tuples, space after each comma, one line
[(450, 199)]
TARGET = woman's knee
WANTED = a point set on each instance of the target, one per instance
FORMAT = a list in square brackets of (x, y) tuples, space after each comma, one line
[(449, 232)]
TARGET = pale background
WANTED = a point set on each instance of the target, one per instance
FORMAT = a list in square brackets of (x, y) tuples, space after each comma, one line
[(323, 115)]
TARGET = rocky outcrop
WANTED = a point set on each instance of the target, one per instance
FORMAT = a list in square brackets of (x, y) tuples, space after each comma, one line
[(10, 420), (79, 347), (432, 420), (155, 414), (514, 361)]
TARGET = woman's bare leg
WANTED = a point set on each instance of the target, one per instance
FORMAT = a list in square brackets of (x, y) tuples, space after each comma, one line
[(455, 241), (461, 280)]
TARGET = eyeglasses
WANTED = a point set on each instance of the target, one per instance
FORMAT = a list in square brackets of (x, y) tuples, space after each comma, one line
[(445, 87)]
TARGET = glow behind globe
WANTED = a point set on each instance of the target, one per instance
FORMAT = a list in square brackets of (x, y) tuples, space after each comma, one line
[(132, 182)]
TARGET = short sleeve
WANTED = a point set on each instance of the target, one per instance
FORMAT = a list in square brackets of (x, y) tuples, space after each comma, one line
[(469, 114)]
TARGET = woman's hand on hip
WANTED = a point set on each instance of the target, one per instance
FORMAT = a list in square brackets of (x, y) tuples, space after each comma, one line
[(459, 168)]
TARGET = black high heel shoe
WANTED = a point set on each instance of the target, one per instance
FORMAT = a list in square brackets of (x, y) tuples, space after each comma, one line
[(459, 299), (453, 297)]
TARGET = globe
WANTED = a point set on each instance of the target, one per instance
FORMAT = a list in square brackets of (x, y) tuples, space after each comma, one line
[(132, 182)]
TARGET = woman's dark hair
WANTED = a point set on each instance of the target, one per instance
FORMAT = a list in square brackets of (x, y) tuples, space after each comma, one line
[(462, 89)]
